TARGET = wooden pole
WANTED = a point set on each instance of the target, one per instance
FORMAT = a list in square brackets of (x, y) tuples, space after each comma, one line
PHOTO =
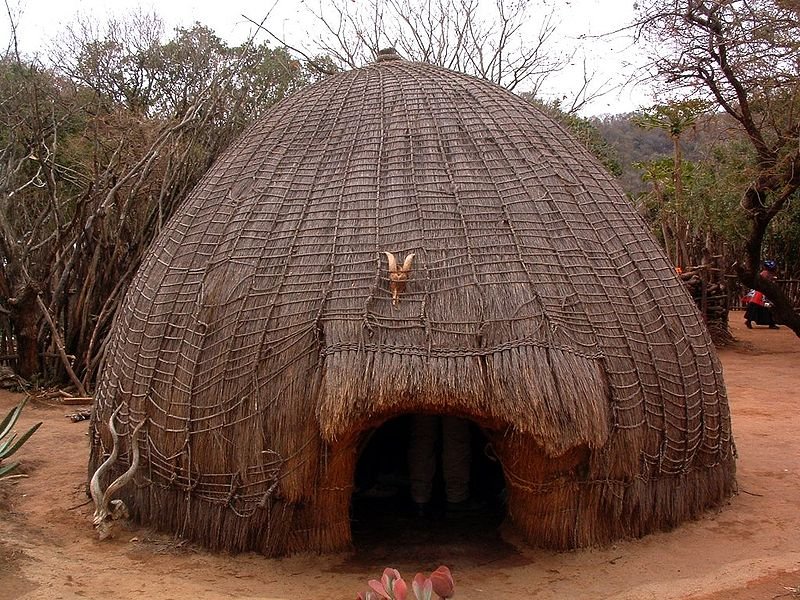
[(60, 346), (704, 293)]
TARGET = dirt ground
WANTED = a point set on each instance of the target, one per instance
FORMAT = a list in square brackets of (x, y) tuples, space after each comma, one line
[(750, 549)]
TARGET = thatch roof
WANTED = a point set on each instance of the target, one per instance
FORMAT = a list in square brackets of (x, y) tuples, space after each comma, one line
[(260, 338)]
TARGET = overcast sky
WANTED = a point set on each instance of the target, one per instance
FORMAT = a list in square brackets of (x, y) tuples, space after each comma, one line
[(581, 21)]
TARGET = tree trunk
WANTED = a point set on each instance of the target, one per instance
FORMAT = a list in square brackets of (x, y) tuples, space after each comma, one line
[(681, 250), (748, 274), (25, 317)]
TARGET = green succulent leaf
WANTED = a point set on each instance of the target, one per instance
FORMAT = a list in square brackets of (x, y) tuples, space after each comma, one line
[(9, 441), (6, 469), (5, 451), (6, 444), (11, 419)]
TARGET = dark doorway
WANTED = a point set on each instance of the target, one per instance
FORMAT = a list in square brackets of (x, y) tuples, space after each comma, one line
[(383, 511)]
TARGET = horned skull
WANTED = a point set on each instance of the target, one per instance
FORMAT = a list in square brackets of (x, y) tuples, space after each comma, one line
[(398, 275), (108, 511)]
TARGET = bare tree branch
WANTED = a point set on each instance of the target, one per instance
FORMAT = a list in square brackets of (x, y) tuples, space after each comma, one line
[(465, 35), (745, 56)]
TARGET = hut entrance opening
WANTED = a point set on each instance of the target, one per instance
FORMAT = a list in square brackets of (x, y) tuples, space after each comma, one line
[(391, 472)]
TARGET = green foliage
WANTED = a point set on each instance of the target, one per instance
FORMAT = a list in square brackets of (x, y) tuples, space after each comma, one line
[(715, 186), (782, 242), (713, 183), (633, 144), (708, 204), (674, 118), (711, 197), (585, 131), (99, 148), (742, 57), (9, 443), (594, 142), (130, 66)]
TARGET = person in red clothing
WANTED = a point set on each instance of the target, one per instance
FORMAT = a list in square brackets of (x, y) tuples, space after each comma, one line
[(758, 306)]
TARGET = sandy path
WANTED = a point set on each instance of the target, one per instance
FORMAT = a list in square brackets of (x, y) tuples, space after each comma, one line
[(749, 549)]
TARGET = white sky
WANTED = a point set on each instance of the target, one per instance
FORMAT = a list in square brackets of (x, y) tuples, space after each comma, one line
[(612, 58)]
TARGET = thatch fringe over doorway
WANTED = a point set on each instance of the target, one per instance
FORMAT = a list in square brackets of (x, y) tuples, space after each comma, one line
[(268, 329)]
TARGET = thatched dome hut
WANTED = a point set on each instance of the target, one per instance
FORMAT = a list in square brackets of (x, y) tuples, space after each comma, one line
[(260, 342)]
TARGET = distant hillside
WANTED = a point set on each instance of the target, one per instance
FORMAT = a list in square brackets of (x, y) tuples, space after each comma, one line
[(634, 144)]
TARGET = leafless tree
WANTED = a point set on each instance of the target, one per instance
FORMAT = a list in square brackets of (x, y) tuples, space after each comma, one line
[(744, 57), (502, 42), (96, 151)]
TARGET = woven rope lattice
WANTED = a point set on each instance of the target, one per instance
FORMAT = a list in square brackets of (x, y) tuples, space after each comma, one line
[(261, 326)]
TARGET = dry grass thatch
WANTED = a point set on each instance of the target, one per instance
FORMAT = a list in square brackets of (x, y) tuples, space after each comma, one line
[(261, 341)]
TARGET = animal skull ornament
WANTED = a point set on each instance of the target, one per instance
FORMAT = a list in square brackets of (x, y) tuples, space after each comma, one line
[(398, 275), (108, 511)]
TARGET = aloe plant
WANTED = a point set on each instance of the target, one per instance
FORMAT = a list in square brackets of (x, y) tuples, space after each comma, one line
[(9, 443), (393, 587)]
